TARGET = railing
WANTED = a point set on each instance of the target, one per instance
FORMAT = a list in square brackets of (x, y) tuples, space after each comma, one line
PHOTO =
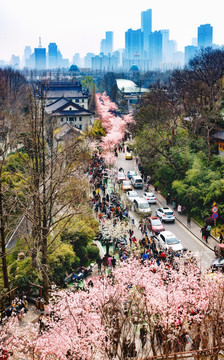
[(213, 353)]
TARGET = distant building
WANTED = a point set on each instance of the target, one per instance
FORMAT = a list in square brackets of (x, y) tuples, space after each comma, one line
[(133, 43), (146, 27), (205, 36), (155, 49), (105, 63), (76, 59), (52, 56), (15, 61), (26, 55), (189, 53), (40, 57), (88, 60), (106, 46), (130, 92)]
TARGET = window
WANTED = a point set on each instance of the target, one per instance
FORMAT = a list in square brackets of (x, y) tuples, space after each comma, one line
[(70, 108), (62, 119), (80, 127), (71, 119), (77, 100), (80, 118), (75, 118)]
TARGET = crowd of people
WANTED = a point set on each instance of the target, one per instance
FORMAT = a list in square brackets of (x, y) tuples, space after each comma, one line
[(137, 241)]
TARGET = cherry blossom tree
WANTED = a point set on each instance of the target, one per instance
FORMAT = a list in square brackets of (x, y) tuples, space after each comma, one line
[(176, 302), (114, 124)]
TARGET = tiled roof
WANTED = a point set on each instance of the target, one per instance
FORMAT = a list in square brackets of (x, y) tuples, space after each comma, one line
[(65, 129), (68, 93)]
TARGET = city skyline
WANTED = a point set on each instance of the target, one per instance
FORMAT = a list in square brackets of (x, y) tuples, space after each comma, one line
[(82, 26)]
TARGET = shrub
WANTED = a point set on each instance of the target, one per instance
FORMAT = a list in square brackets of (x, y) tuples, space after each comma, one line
[(92, 252)]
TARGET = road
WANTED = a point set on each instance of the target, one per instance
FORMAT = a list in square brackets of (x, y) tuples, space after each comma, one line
[(190, 241)]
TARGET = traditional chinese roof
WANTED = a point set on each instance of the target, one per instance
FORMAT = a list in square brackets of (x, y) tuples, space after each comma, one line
[(59, 106), (65, 129)]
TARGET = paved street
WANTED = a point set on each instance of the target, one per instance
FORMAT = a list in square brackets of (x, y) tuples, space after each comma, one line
[(190, 237)]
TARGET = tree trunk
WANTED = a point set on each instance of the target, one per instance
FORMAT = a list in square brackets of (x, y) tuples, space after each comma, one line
[(2, 234)]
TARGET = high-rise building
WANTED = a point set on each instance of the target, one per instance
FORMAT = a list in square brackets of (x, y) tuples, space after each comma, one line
[(133, 43), (165, 44), (155, 49), (146, 27), (15, 61), (189, 52), (205, 36), (52, 56), (76, 59), (106, 45), (88, 60), (40, 57)]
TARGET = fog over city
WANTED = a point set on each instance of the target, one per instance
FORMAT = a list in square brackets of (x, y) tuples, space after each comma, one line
[(79, 27)]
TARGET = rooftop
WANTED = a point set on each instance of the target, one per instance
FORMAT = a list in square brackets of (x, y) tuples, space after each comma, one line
[(129, 87)]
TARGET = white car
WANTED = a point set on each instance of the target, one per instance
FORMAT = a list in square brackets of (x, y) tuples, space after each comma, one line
[(150, 197), (165, 214), (132, 195), (167, 240)]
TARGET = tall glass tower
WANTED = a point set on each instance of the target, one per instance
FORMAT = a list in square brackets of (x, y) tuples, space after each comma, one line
[(146, 27), (52, 56), (205, 36)]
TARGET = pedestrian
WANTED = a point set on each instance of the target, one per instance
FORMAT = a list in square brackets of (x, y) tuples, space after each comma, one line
[(143, 335), (99, 263), (113, 261), (179, 209), (168, 199), (220, 238), (206, 235), (156, 188), (209, 229), (189, 221), (174, 204), (203, 229)]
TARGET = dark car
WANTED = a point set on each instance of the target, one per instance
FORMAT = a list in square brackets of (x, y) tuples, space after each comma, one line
[(154, 224)]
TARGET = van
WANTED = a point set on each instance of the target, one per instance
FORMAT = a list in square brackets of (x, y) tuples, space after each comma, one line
[(141, 206), (137, 182)]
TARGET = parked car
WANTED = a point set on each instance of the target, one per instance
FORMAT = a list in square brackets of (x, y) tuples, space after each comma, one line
[(131, 173), (137, 182), (167, 240), (141, 206), (154, 224), (126, 185), (218, 263), (165, 214), (128, 156), (120, 177), (150, 197), (132, 195)]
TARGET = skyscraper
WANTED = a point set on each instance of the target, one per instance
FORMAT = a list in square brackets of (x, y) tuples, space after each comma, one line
[(146, 27), (40, 57), (106, 45), (189, 52), (155, 49), (52, 56), (205, 36), (165, 44), (133, 43)]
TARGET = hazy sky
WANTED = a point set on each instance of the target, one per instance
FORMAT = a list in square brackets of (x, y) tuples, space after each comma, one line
[(79, 25)]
